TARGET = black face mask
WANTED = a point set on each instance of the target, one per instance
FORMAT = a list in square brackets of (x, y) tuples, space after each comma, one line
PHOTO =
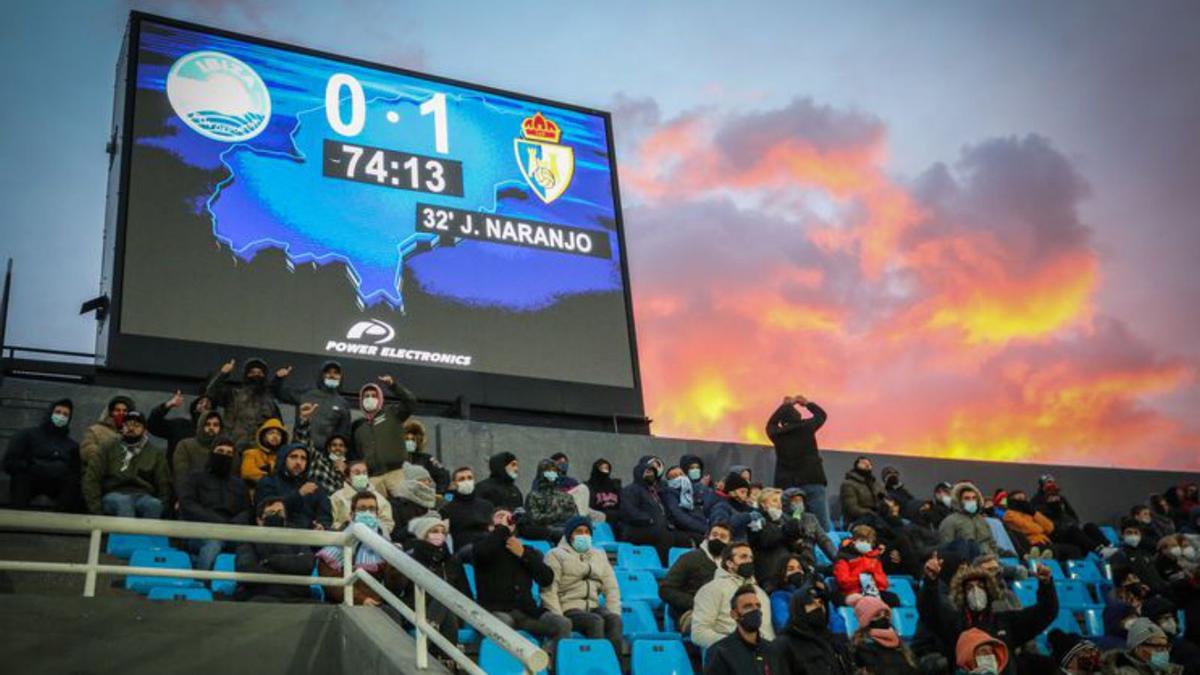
[(274, 520), (258, 382), (221, 465), (132, 439), (813, 620), (745, 570), (865, 473), (715, 546), (751, 621), (649, 479), (796, 579), (882, 623), (892, 481)]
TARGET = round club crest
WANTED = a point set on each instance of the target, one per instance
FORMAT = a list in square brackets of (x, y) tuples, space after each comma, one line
[(218, 96)]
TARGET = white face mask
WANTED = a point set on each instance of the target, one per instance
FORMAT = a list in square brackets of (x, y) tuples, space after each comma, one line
[(1189, 552), (1169, 627), (1175, 551), (410, 445), (370, 404), (332, 382), (945, 499), (977, 599), (986, 664), (774, 514), (465, 487), (863, 547), (360, 481)]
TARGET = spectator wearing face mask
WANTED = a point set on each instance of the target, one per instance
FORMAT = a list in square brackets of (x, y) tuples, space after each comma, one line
[(643, 516), (106, 429), (684, 511), (364, 508), (605, 490), (331, 410), (129, 478), (215, 494), (1020, 517), (428, 546), (876, 646), (192, 453), (273, 559), (794, 575), (711, 620), (1155, 527), (812, 535), (258, 461), (245, 405), (547, 509), (416, 443), (174, 430), (690, 572), (1068, 529), (894, 487), (358, 480), (858, 569), (1136, 552), (1072, 654), (860, 493), (379, 435), (732, 505), (1176, 562), (1184, 652), (967, 523), (565, 483), (693, 468), (328, 468), (775, 540), (44, 460), (307, 504), (745, 650), (470, 515), (806, 645), (941, 505), (581, 574), (1147, 650), (500, 487), (415, 497), (978, 652)]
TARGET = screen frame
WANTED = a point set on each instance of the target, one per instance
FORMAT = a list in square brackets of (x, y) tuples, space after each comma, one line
[(125, 352)]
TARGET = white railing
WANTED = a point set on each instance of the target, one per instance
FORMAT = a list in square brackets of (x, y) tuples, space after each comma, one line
[(425, 583)]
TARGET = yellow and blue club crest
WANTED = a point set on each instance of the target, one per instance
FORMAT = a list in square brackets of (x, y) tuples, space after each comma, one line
[(547, 165)]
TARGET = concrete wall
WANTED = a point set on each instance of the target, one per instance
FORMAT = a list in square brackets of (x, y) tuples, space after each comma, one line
[(1098, 494)]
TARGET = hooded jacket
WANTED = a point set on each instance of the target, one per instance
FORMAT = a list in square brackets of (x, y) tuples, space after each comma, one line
[(804, 650), (691, 521), (965, 526), (509, 580), (103, 432), (420, 456), (860, 495), (710, 611), (302, 510), (546, 505), (605, 490), (258, 462), (205, 496), (333, 412), (174, 430), (972, 639), (192, 453), (245, 405), (641, 506), (850, 564), (498, 488), (579, 579), (44, 452), (702, 493), (379, 436), (797, 459), (144, 473)]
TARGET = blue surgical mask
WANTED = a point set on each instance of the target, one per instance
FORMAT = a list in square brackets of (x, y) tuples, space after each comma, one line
[(582, 543), (863, 547), (694, 474), (367, 518), (970, 507), (59, 420), (551, 476), (1160, 660), (677, 482), (410, 445), (332, 382)]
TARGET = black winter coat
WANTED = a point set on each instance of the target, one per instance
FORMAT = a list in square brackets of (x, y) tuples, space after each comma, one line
[(797, 459), (274, 559), (504, 581), (498, 488), (875, 659), (641, 506), (801, 651), (679, 587), (44, 451), (731, 655), (469, 516), (207, 498)]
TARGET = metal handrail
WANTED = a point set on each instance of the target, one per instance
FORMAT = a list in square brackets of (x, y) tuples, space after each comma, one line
[(425, 582)]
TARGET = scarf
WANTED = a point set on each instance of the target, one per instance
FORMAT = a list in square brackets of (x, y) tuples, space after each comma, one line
[(132, 451), (685, 494), (418, 493), (364, 557)]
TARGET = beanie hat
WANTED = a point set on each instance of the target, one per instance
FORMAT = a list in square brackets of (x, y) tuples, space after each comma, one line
[(420, 526), (1140, 630), (735, 481), (889, 471), (1064, 646), (867, 607), (576, 522), (415, 472)]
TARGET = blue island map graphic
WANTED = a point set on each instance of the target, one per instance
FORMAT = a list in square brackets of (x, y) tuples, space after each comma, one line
[(273, 194)]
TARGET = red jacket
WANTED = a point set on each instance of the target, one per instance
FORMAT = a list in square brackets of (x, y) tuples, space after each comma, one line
[(850, 563)]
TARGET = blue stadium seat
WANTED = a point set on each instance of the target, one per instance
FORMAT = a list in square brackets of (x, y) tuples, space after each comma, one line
[(1074, 595), (903, 588), (670, 622), (660, 657), (633, 557), (543, 546), (1065, 621), (850, 620), (1084, 570), (1003, 541), (1110, 533), (123, 545), (495, 661), (638, 623), (1093, 622), (226, 562), (586, 657), (1026, 590), (638, 585), (905, 619), (1010, 562), (180, 593), (603, 537), (166, 558), (822, 559), (1056, 570), (317, 590), (675, 554), (469, 572), (837, 537)]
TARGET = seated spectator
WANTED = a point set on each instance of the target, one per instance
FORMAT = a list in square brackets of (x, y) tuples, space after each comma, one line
[(258, 461), (1156, 527), (547, 508), (246, 405), (1136, 552), (732, 505), (581, 574), (690, 572), (358, 480), (746, 649), (414, 497), (794, 576), (104, 430), (976, 651), (1020, 517), (605, 490), (328, 468), (365, 508), (970, 604), (898, 539), (1007, 600), (942, 504), (500, 487), (858, 569), (710, 619), (775, 540), (967, 522), (1160, 512), (684, 512), (44, 460), (1184, 652), (192, 452), (876, 646), (642, 515), (812, 535), (1073, 654), (1118, 616), (860, 493), (414, 442), (1147, 650), (330, 411), (702, 491), (379, 435), (129, 477), (1068, 529), (307, 504), (565, 482), (214, 494), (506, 570), (806, 644), (274, 559), (894, 487), (470, 516), (175, 430), (427, 546)]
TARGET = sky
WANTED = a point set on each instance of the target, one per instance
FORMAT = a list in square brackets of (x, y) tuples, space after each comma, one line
[(965, 229)]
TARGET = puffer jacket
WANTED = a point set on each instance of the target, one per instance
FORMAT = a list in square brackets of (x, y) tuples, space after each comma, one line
[(246, 406), (333, 411), (579, 579), (860, 496), (968, 527), (850, 564), (1035, 526), (103, 432), (379, 436), (44, 451), (710, 611), (258, 462), (1119, 662), (145, 473)]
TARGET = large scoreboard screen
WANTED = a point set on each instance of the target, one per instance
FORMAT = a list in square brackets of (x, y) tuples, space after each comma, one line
[(281, 199)]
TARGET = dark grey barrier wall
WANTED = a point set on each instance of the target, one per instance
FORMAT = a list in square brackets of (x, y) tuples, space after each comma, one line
[(1098, 494)]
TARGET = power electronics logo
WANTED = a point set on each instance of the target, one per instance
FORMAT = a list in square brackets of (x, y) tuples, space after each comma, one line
[(366, 337), (374, 328), (218, 96)]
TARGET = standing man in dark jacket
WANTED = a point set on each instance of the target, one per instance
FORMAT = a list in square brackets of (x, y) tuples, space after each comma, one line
[(215, 494), (246, 405), (806, 646), (642, 514), (307, 504), (744, 651), (500, 487), (797, 459), (379, 436), (505, 573), (44, 460), (274, 559), (469, 514), (332, 414), (176, 429)]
